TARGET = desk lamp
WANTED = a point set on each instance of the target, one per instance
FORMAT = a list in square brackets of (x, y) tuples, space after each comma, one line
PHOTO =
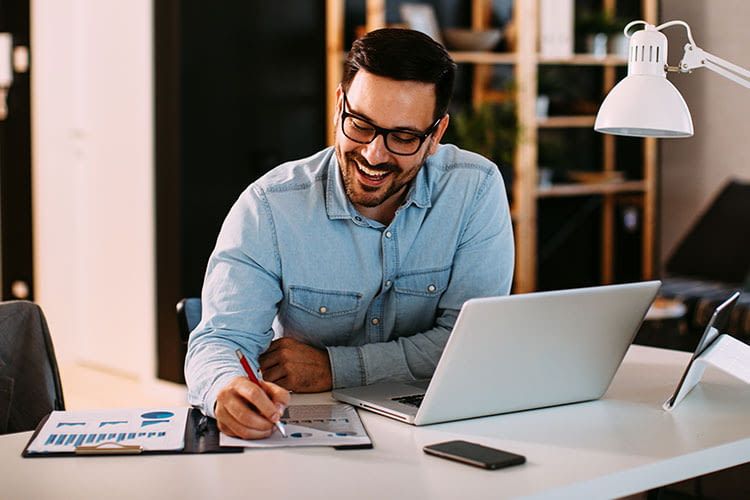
[(645, 103)]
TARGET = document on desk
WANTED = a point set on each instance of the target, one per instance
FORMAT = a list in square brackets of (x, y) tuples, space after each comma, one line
[(336, 425), (153, 429)]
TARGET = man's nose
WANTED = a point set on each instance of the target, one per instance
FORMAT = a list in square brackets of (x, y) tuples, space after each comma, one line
[(376, 152)]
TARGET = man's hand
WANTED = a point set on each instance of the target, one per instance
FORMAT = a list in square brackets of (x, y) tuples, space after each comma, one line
[(296, 366), (245, 410)]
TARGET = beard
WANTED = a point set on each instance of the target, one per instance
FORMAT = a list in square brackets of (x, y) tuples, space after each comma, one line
[(373, 196)]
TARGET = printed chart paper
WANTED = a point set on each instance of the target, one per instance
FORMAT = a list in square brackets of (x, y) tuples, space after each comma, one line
[(312, 425), (153, 429)]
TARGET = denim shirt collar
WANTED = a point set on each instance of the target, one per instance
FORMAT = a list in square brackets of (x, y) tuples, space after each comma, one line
[(338, 205)]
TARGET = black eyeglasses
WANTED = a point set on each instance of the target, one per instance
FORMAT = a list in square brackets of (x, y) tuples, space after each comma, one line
[(398, 142)]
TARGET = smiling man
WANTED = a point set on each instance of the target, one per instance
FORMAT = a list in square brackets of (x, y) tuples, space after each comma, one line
[(358, 259)]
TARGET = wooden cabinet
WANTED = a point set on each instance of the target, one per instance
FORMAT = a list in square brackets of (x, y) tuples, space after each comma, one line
[(526, 191)]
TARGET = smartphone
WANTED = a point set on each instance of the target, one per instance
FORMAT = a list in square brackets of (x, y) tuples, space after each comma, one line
[(474, 454)]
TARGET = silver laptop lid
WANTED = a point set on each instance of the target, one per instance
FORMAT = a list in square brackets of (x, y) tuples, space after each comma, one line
[(533, 350)]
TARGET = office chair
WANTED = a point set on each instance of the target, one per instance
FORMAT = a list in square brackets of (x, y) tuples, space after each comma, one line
[(188, 316), (30, 384)]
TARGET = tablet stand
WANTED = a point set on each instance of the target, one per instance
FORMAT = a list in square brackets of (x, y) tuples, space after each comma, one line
[(714, 348)]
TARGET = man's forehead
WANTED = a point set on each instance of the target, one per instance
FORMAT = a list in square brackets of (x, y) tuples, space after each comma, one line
[(379, 98), (371, 81)]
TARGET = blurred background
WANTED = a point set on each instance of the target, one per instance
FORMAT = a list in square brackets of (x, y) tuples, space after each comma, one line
[(132, 126)]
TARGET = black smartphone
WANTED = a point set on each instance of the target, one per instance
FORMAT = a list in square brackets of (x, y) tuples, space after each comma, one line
[(474, 454)]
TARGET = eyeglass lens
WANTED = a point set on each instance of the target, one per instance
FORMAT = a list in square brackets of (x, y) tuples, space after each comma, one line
[(358, 130)]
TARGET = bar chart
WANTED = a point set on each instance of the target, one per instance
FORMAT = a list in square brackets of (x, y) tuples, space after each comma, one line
[(76, 439), (148, 429)]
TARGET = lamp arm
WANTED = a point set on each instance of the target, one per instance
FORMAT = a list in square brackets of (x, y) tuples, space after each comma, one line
[(695, 57)]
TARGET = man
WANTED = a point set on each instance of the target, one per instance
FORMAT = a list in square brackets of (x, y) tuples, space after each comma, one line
[(363, 253)]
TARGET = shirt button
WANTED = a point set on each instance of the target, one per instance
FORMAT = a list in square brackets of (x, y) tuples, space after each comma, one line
[(358, 218), (323, 309), (387, 283), (431, 288), (388, 234), (375, 321)]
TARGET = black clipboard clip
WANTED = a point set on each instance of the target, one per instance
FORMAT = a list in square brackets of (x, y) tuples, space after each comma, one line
[(202, 426)]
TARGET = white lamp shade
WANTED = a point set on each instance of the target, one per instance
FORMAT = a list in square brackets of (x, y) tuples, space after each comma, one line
[(644, 106)]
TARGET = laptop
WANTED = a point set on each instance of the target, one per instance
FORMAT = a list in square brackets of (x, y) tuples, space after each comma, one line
[(519, 352)]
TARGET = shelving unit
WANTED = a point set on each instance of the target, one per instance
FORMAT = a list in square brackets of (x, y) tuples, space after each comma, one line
[(526, 191)]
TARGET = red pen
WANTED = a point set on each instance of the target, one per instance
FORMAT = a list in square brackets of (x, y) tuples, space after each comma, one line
[(251, 375)]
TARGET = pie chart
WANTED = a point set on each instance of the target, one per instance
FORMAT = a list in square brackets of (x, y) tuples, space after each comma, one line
[(158, 414)]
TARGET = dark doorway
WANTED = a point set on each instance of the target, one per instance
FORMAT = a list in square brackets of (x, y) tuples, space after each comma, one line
[(16, 272), (240, 88)]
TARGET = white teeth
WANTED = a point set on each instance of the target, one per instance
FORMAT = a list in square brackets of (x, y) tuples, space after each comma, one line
[(372, 173)]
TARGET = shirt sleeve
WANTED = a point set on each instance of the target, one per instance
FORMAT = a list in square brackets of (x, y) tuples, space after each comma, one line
[(482, 267), (240, 298)]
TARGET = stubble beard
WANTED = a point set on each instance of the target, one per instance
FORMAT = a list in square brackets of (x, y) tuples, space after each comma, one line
[(371, 196)]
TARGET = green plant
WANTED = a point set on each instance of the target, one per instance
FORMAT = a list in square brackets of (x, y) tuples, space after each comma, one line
[(491, 130)]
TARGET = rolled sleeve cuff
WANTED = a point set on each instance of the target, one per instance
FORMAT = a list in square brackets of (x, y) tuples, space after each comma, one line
[(347, 366), (219, 384)]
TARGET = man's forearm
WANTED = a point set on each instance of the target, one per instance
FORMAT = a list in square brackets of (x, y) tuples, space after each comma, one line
[(207, 369), (211, 363), (406, 358)]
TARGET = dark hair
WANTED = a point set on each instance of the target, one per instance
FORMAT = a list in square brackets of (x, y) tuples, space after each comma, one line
[(403, 54)]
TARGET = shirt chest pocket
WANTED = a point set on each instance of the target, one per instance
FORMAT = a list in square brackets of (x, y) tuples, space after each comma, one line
[(327, 316), (417, 295)]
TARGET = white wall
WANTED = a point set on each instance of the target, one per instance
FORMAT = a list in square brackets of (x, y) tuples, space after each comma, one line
[(93, 188), (695, 169)]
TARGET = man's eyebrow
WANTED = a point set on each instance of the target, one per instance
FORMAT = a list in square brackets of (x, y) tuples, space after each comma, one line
[(367, 118)]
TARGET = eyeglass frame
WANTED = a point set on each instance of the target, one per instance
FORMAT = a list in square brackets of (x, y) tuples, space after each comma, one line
[(385, 131)]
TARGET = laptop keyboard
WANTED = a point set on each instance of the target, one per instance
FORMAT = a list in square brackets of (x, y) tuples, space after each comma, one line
[(414, 400)]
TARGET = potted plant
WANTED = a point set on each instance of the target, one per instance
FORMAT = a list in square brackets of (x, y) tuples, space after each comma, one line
[(490, 130)]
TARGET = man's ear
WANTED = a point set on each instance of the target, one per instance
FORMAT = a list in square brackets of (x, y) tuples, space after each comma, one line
[(437, 135), (339, 104)]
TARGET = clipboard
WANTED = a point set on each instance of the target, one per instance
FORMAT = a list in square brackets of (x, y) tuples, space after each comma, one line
[(201, 436)]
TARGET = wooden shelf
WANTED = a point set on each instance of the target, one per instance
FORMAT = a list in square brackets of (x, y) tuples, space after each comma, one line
[(584, 60), (497, 96), (526, 62), (485, 57), (578, 189), (512, 58), (582, 121)]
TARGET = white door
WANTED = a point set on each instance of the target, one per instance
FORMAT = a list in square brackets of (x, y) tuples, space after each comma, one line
[(92, 105)]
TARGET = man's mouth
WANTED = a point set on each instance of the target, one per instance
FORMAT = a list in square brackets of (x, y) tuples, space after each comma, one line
[(371, 173)]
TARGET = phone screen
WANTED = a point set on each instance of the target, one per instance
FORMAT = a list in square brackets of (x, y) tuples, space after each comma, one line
[(474, 454)]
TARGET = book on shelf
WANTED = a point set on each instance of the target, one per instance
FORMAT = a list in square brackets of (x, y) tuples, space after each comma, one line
[(556, 35)]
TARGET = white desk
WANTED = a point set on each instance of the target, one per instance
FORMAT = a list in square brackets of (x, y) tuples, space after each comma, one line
[(619, 445)]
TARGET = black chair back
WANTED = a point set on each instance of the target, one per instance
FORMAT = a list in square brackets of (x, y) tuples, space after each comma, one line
[(716, 248), (30, 384), (188, 316)]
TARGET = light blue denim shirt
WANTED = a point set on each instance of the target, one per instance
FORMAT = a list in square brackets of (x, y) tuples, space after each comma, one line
[(381, 299)]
